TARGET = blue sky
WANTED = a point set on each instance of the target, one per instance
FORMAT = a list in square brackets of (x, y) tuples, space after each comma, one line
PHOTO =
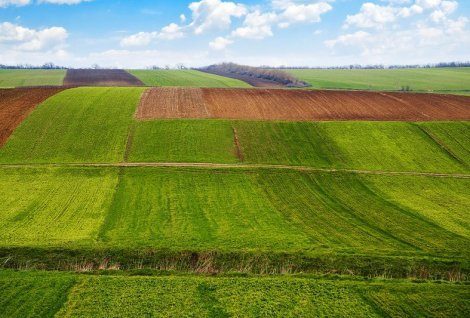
[(138, 34)]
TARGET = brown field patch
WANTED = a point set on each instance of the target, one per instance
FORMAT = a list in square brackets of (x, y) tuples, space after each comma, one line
[(253, 81), (300, 105), (16, 104), (85, 77)]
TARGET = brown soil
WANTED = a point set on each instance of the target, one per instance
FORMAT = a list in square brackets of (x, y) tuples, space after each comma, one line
[(256, 82), (300, 105), (87, 77), (16, 104)]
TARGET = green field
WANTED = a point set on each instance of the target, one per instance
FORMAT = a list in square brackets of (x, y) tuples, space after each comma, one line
[(445, 80), (191, 78), (256, 210), (34, 294), (388, 146), (76, 125), (18, 78), (298, 219)]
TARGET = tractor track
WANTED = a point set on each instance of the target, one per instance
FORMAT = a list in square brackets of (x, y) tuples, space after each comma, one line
[(239, 166)]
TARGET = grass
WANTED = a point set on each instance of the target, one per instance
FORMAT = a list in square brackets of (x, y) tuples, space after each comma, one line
[(388, 146), (191, 78), (444, 80), (17, 78), (253, 210), (76, 125), (54, 207), (183, 141), (32, 294)]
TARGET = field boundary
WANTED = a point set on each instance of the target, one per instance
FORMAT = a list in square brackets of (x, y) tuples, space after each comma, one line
[(240, 166), (219, 262)]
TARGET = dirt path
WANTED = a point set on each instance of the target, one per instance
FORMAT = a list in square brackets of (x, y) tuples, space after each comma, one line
[(240, 166)]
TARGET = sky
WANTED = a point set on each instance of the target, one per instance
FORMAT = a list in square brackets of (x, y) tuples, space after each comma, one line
[(140, 34)]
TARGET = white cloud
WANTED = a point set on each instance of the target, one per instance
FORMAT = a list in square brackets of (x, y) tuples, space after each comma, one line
[(69, 2), (257, 25), (356, 38), (25, 39), (214, 14), (169, 32), (18, 3), (304, 13), (220, 43), (138, 39), (371, 15)]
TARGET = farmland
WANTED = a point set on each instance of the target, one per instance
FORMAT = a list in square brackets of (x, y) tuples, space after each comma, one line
[(219, 202), (19, 78), (71, 295), (444, 80), (381, 146), (16, 104), (299, 105), (185, 78), (88, 77), (76, 125)]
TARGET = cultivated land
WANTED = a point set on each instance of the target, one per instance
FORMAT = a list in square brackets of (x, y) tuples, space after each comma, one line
[(185, 78), (71, 295), (76, 125), (278, 210), (18, 78), (88, 77), (16, 104), (252, 81), (444, 80), (299, 105)]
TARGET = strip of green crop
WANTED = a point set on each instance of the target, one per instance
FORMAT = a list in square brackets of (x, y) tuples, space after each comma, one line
[(76, 125), (233, 210), (18, 78), (39, 294), (435, 79), (54, 207), (190, 78), (383, 146), (30, 294)]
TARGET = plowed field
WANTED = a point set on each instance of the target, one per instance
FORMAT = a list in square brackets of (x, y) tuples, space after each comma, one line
[(16, 104), (300, 105), (84, 77), (253, 81)]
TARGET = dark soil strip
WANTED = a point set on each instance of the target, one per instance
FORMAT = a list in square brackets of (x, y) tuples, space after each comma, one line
[(90, 77), (238, 150), (253, 81), (17, 103)]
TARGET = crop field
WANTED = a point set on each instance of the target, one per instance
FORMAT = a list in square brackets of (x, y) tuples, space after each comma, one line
[(76, 125), (19, 78), (445, 80), (232, 210), (89, 77), (380, 146), (300, 105), (252, 81), (72, 295), (16, 104), (233, 202), (185, 78)]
